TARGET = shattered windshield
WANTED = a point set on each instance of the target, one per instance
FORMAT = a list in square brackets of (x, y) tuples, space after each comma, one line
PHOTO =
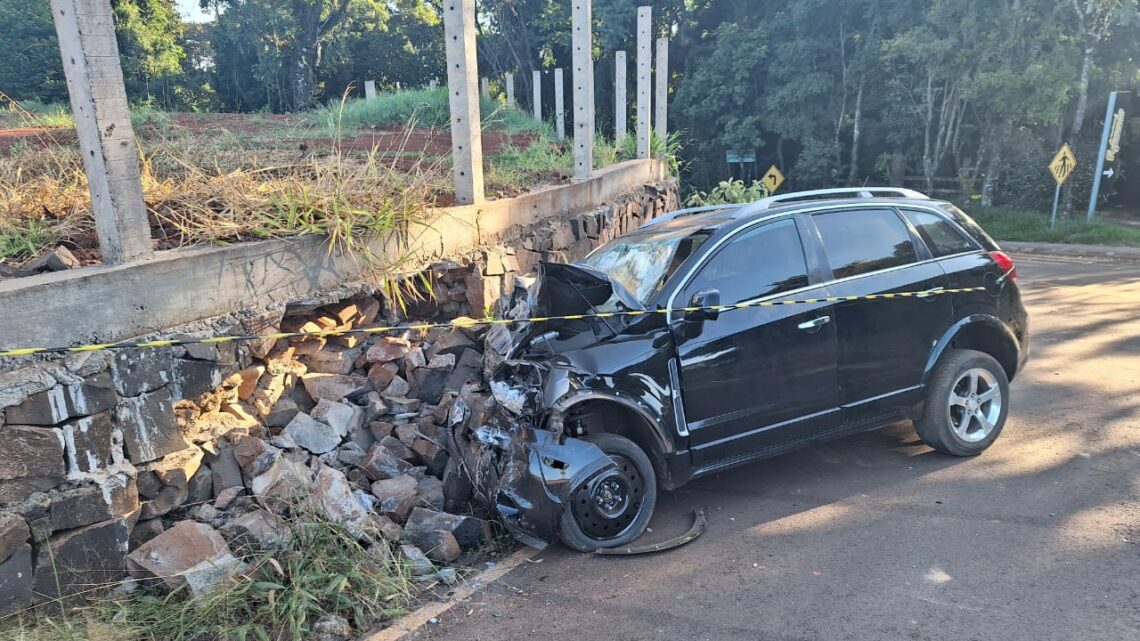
[(642, 263)]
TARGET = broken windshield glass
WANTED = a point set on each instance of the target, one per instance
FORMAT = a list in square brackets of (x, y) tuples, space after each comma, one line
[(642, 263)]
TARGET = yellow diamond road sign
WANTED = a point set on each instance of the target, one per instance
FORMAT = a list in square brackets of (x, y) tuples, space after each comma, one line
[(1063, 164), (773, 179)]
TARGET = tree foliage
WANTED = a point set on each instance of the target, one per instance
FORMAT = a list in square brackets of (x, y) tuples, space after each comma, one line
[(968, 95)]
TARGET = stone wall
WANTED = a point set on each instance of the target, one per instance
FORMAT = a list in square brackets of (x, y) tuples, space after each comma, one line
[(103, 450)]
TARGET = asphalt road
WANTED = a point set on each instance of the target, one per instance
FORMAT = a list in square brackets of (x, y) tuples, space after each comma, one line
[(877, 537)]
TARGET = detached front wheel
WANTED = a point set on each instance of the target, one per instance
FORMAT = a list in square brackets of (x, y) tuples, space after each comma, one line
[(615, 509)]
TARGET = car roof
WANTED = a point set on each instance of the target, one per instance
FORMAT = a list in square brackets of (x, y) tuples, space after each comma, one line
[(716, 216)]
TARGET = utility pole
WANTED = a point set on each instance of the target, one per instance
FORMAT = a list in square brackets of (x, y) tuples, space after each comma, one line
[(644, 63), (560, 103), (661, 106), (621, 109), (462, 83), (86, 31), (536, 94), (583, 58)]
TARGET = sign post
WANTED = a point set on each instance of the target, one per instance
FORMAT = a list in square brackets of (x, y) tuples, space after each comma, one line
[(1109, 144), (1061, 167)]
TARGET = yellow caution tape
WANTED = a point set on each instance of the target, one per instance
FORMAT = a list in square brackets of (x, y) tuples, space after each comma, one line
[(465, 322)]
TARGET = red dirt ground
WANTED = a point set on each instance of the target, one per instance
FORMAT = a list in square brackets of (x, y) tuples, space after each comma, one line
[(385, 139)]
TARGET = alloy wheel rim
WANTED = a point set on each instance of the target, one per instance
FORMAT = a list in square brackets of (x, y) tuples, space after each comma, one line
[(975, 405)]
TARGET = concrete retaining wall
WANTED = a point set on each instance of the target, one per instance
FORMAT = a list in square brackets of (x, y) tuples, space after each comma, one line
[(104, 304)]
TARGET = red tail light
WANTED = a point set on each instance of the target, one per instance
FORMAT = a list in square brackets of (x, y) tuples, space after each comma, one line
[(1005, 264)]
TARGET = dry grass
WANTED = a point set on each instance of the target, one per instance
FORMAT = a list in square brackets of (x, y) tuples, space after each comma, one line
[(232, 186), (323, 571), (223, 191)]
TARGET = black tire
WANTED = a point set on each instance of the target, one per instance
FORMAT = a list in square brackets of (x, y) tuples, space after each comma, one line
[(584, 528), (955, 418)]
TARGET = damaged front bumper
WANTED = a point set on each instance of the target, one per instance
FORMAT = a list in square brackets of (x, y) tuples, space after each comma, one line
[(526, 475)]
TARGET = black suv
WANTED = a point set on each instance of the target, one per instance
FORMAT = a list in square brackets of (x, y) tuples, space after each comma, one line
[(640, 393)]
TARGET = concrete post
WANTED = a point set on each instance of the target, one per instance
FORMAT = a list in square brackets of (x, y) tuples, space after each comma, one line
[(462, 76), (621, 109), (86, 31), (583, 58), (369, 89), (536, 91), (661, 100), (560, 103), (433, 83), (510, 80), (484, 87), (644, 62)]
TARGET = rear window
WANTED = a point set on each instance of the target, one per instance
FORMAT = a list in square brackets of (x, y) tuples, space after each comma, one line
[(940, 236), (864, 241), (974, 229)]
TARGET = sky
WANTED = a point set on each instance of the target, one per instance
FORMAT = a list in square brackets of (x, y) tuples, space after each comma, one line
[(191, 11)]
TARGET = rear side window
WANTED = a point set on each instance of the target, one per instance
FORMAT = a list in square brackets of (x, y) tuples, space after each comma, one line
[(938, 234), (760, 262), (864, 241)]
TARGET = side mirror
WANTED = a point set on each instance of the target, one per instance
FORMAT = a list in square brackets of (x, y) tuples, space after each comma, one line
[(694, 321)]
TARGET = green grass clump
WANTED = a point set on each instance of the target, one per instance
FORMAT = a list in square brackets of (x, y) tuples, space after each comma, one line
[(36, 114), (23, 239), (324, 571), (1004, 223)]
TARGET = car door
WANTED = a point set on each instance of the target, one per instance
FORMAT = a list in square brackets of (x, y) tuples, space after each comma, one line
[(759, 376), (884, 341)]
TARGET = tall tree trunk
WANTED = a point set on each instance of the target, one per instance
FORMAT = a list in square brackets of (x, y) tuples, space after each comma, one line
[(856, 132), (305, 53), (1079, 120), (927, 154)]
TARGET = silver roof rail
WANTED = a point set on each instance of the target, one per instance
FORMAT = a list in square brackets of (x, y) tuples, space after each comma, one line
[(841, 192), (692, 211)]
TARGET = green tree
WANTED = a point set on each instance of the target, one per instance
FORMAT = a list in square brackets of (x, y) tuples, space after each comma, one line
[(32, 69)]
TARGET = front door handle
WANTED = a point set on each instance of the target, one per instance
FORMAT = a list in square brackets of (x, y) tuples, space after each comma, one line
[(930, 293), (815, 323)]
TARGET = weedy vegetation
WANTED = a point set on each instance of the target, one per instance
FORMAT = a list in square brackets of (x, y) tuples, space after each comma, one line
[(307, 176), (323, 571)]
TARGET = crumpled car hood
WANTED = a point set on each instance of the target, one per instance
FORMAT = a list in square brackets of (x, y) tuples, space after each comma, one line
[(565, 290)]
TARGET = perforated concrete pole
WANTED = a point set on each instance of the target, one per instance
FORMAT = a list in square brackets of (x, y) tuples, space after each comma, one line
[(462, 80), (583, 78), (644, 64), (560, 103), (621, 108), (536, 93), (86, 31), (510, 80), (661, 104)]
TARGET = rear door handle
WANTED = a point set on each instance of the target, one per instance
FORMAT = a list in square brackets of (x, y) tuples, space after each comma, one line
[(815, 323)]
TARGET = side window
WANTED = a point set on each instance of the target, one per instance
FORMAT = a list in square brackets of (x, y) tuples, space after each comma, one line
[(761, 262), (864, 241), (940, 236)]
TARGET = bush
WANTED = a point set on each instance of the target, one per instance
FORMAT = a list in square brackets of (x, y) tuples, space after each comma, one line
[(729, 192)]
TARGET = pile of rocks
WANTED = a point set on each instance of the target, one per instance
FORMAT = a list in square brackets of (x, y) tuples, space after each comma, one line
[(345, 428), (175, 455)]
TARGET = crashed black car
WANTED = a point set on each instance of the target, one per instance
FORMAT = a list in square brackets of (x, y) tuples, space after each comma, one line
[(633, 393)]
